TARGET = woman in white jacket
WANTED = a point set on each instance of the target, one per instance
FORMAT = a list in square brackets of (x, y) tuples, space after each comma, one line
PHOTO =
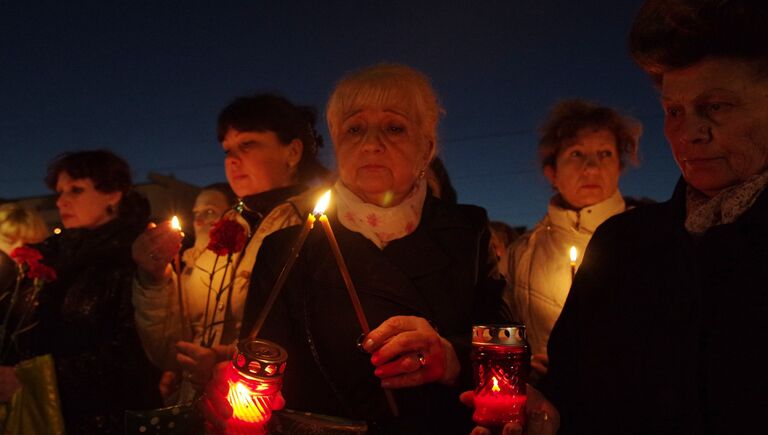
[(270, 148), (582, 151)]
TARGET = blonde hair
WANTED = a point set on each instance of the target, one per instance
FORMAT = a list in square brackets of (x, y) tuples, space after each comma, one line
[(20, 223), (385, 85)]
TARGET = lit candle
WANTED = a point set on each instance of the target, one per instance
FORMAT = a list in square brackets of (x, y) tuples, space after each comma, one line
[(320, 207), (254, 379), (574, 254), (501, 362), (494, 407), (352, 294), (345, 275), (176, 225)]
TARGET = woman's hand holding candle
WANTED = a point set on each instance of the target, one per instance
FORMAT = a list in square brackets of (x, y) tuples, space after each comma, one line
[(407, 351), (154, 250), (198, 361)]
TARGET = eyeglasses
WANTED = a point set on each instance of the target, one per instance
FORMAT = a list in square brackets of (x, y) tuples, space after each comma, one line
[(206, 216)]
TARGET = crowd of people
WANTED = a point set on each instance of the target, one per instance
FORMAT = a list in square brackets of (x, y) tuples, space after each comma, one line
[(653, 334)]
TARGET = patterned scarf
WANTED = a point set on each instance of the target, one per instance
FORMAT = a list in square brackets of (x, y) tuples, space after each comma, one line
[(378, 224), (704, 212)]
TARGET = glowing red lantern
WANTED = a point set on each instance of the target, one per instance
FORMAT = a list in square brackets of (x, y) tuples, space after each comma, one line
[(255, 377), (501, 359)]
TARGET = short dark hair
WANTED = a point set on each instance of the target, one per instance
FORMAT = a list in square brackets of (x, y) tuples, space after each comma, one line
[(568, 117), (673, 34), (270, 112), (225, 189), (108, 172)]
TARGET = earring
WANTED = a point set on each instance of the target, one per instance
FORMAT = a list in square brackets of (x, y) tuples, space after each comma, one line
[(110, 210)]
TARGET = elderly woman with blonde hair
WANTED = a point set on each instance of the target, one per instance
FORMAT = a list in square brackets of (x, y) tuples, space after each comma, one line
[(421, 267), (18, 226)]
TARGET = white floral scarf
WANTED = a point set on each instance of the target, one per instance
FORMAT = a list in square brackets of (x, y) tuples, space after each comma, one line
[(380, 225), (703, 212)]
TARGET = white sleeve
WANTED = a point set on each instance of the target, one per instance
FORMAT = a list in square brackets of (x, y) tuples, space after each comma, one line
[(158, 320)]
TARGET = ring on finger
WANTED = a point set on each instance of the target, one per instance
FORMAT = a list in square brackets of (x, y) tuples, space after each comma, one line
[(421, 359)]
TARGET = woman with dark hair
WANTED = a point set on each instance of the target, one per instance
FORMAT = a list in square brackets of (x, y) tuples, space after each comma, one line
[(270, 148), (85, 316), (582, 151), (661, 328)]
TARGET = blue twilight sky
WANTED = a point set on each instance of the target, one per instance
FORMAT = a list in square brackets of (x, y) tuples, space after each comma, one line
[(147, 80)]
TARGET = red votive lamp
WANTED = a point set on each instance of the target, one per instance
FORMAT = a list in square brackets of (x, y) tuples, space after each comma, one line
[(501, 360), (255, 377)]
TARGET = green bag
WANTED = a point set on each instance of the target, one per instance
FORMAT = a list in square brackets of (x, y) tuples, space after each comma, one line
[(35, 408)]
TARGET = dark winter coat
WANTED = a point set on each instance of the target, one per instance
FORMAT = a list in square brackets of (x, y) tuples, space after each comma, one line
[(441, 272), (86, 323), (662, 331)]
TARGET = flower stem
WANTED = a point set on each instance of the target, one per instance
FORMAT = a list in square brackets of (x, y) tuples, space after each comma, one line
[(208, 300), (9, 310), (218, 299)]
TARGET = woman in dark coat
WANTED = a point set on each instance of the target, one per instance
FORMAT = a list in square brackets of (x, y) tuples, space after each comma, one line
[(85, 316), (661, 331), (421, 267)]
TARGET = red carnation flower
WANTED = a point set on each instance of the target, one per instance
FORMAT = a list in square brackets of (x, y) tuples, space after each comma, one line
[(26, 255), (227, 237), (41, 271)]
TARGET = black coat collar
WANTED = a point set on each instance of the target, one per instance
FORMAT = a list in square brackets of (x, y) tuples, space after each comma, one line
[(259, 205)]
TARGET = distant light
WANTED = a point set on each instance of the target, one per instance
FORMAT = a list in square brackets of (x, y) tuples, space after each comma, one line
[(57, 230)]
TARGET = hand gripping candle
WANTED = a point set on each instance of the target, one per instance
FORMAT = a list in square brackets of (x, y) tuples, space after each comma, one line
[(501, 360), (255, 377)]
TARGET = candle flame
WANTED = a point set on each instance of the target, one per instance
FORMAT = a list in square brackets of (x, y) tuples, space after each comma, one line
[(495, 388), (246, 406), (175, 224), (322, 203), (574, 254)]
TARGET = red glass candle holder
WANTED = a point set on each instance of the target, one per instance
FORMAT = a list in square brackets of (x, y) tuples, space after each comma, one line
[(501, 360), (255, 377)]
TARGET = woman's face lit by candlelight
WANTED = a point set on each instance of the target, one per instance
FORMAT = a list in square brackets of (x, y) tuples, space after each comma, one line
[(380, 153), (716, 121), (256, 161), (587, 170), (81, 205)]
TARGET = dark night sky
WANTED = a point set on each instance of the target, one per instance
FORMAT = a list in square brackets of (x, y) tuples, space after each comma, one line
[(147, 79)]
